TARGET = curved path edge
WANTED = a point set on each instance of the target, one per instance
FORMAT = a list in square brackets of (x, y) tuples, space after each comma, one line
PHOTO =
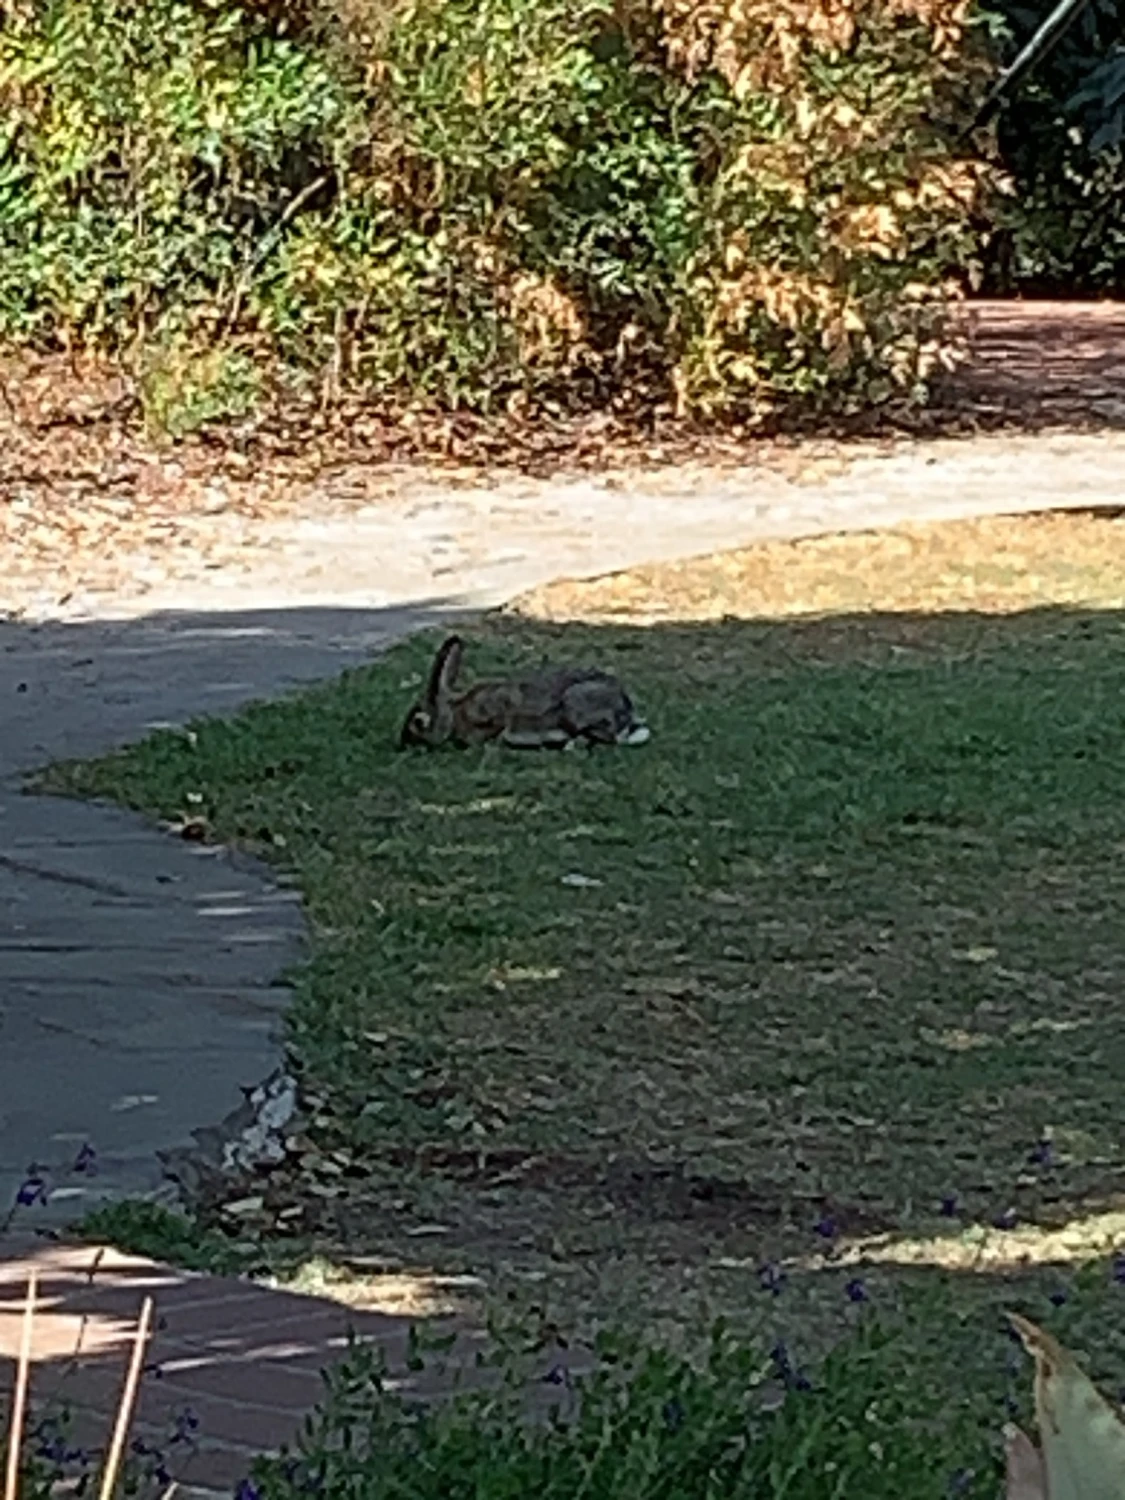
[(139, 976)]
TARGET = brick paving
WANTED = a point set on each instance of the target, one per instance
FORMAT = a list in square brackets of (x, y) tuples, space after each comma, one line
[(1040, 364), (232, 1368)]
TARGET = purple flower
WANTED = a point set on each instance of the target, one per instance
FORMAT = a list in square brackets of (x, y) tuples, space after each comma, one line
[(673, 1413), (32, 1190), (86, 1160), (792, 1378), (557, 1375), (826, 1227), (1059, 1296), (51, 1446), (1007, 1220), (184, 1423), (856, 1290), (1041, 1154), (247, 1490), (949, 1206)]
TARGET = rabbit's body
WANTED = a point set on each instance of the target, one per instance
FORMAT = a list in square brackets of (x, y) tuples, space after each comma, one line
[(551, 709)]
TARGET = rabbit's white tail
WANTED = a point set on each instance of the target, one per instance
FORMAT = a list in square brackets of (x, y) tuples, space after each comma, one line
[(636, 734)]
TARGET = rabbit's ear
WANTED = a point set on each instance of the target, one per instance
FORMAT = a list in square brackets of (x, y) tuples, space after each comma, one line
[(443, 673)]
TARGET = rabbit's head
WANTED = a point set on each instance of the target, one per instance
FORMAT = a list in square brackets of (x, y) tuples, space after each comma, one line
[(430, 721)]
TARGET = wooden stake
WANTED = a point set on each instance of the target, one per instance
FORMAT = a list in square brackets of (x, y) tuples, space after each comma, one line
[(19, 1393), (125, 1408)]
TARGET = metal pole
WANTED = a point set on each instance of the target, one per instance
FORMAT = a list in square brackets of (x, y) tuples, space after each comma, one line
[(1036, 49)]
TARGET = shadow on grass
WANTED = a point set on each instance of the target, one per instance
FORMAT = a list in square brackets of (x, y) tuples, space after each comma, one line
[(841, 945), (812, 1001)]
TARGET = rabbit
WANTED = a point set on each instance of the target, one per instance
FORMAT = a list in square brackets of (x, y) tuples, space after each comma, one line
[(554, 708)]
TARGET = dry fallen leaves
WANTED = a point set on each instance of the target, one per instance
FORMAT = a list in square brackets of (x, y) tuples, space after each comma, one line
[(91, 503)]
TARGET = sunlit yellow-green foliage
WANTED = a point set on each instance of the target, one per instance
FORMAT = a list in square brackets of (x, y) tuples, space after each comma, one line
[(722, 204)]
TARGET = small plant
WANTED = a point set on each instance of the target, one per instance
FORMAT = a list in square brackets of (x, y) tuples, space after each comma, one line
[(143, 1228), (183, 389)]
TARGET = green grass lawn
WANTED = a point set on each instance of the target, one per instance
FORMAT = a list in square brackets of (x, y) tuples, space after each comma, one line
[(837, 960)]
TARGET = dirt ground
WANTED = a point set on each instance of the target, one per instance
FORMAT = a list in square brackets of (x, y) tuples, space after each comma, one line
[(1041, 364), (92, 500)]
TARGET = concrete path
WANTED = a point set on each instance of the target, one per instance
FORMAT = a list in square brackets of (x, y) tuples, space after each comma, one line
[(137, 973)]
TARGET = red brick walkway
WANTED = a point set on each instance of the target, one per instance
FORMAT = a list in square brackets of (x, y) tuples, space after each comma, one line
[(1043, 363), (232, 1368)]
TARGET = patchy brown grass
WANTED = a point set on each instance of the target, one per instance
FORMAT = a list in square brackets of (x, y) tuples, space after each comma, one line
[(999, 565)]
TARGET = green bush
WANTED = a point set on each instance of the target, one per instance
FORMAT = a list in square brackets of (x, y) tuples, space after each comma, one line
[(1061, 138), (727, 204), (651, 1426), (149, 151)]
